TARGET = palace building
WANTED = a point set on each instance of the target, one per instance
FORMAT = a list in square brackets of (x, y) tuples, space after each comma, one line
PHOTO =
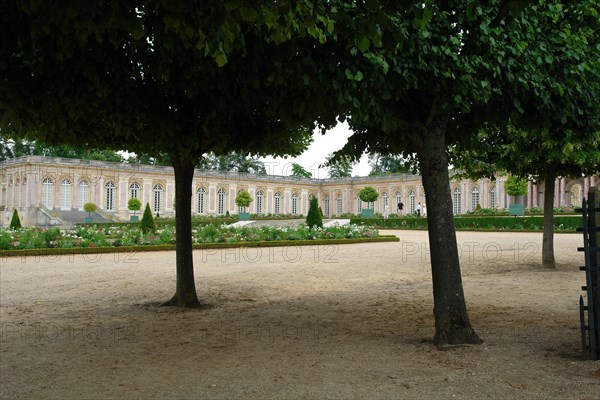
[(52, 191)]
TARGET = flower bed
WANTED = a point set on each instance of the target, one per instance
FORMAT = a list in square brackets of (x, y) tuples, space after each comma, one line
[(130, 235)]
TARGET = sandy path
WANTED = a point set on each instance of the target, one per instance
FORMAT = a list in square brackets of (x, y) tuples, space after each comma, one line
[(350, 321)]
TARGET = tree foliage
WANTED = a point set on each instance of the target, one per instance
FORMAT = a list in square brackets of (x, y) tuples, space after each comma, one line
[(147, 223), (387, 164), (368, 194), (340, 167), (515, 186), (243, 199), (314, 218), (89, 208), (15, 221), (134, 204), (299, 171)]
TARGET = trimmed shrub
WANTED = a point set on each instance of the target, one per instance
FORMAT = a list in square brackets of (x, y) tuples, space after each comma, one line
[(368, 194), (147, 222), (243, 199), (515, 186), (89, 208), (134, 204), (15, 222), (314, 218)]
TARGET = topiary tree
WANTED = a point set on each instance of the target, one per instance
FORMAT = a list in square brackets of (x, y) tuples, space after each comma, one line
[(15, 222), (134, 204), (368, 194), (515, 186), (314, 218), (243, 199), (147, 222), (89, 208)]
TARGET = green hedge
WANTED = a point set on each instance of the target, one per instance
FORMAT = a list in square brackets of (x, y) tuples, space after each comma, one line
[(171, 247), (527, 223)]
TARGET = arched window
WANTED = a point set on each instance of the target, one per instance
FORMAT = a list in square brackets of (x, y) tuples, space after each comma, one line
[(277, 209), (358, 205), (134, 191), (576, 195), (201, 200), (326, 206), (493, 198), (48, 193), (412, 200), (157, 192), (84, 193), (221, 201), (259, 202), (65, 194), (109, 189), (474, 198), (397, 199), (340, 204), (295, 204), (456, 201), (384, 202)]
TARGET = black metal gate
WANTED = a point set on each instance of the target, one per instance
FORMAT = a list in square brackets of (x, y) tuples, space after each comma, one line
[(590, 326)]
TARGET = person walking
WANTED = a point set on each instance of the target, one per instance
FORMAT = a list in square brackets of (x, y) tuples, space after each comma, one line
[(419, 210), (400, 208)]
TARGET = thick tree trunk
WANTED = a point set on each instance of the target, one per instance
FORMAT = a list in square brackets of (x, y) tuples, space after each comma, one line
[(548, 238), (452, 325), (185, 293)]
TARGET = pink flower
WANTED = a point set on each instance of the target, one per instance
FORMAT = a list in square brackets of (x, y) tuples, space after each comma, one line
[(92, 245)]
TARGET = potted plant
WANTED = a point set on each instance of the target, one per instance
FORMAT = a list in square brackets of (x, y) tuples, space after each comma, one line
[(516, 188), (243, 199), (134, 204), (89, 208), (368, 194)]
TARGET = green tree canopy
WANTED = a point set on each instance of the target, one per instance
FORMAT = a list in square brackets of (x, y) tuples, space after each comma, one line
[(340, 167), (299, 171), (165, 77)]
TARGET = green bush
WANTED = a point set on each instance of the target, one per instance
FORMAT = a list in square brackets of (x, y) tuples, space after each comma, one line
[(147, 223), (528, 223), (134, 204), (15, 222), (515, 186), (314, 218), (89, 208), (368, 194)]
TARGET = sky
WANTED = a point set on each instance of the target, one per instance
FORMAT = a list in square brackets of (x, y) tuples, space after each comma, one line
[(316, 154)]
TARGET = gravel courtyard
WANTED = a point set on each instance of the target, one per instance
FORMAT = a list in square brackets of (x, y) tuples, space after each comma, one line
[(347, 321)]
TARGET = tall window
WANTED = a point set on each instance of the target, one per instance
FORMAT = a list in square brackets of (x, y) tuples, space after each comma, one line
[(340, 204), (48, 193), (201, 200), (326, 206), (412, 200), (221, 201), (277, 209), (109, 189), (157, 192), (134, 191), (384, 202), (358, 205), (474, 198), (84, 193), (295, 204), (398, 199), (456, 200), (259, 202), (65, 194), (493, 198)]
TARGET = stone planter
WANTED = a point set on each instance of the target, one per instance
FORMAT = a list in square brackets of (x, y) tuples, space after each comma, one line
[(367, 213), (134, 218), (88, 220), (244, 216)]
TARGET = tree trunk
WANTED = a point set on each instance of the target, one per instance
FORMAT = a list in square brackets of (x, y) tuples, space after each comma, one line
[(185, 293), (548, 238), (452, 325)]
